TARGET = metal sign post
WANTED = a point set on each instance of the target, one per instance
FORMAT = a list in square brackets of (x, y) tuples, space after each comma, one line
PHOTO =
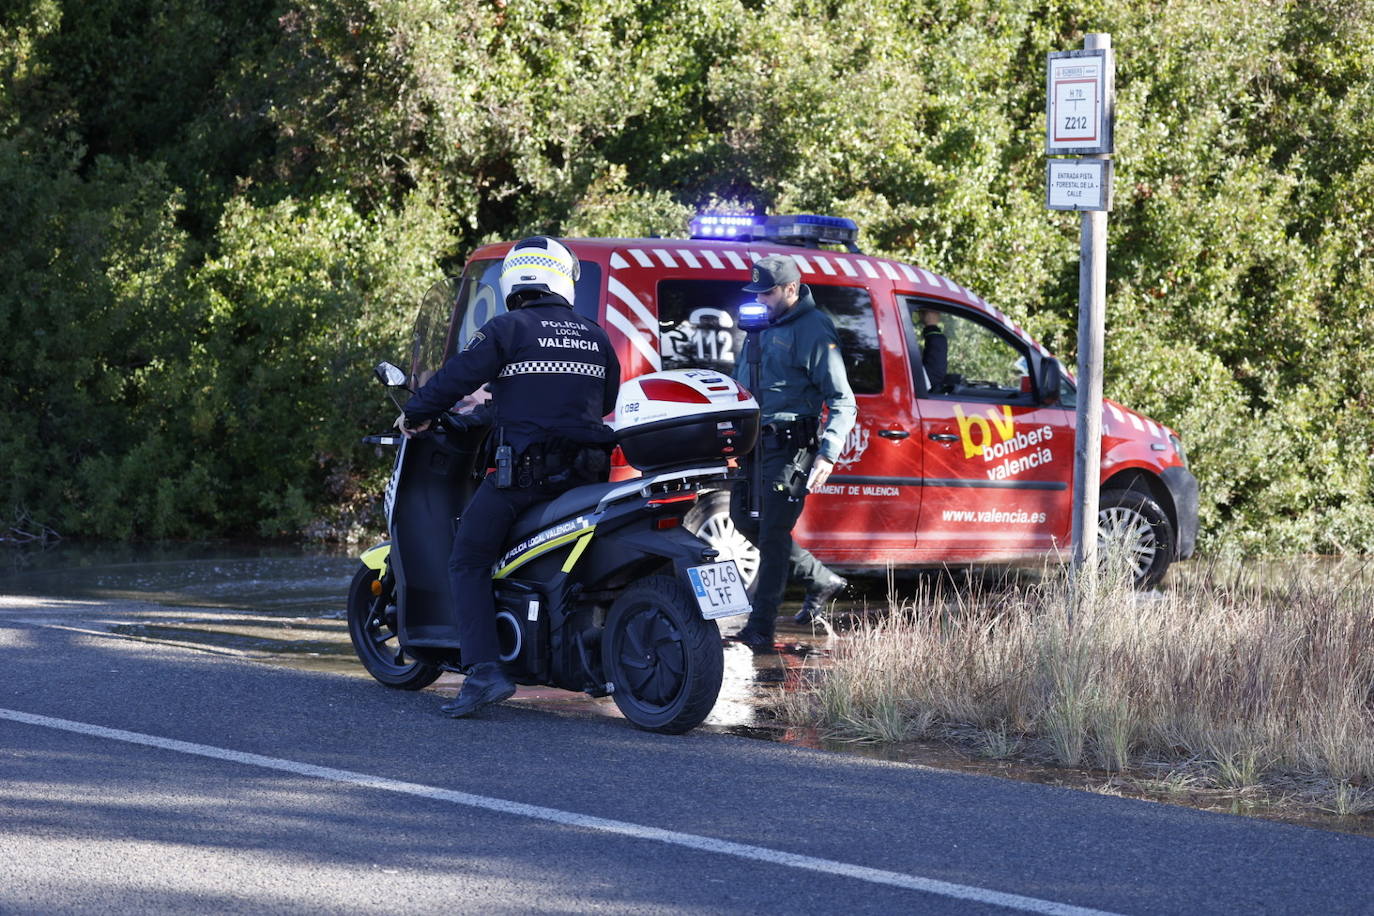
[(1080, 98)]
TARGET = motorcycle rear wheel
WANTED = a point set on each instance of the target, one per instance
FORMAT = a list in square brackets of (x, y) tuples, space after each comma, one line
[(372, 628), (665, 661)]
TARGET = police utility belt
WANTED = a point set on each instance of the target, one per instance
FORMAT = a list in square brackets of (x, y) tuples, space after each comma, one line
[(801, 433), (551, 464)]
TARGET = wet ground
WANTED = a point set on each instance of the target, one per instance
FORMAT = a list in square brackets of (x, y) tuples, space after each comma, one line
[(286, 607)]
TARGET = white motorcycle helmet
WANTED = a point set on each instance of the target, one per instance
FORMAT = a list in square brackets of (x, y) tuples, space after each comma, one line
[(536, 267)]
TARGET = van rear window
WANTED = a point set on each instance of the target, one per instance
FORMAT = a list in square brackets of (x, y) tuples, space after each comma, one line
[(698, 327)]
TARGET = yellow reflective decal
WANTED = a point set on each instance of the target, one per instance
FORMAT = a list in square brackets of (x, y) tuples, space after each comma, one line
[(540, 550), (376, 557), (576, 553)]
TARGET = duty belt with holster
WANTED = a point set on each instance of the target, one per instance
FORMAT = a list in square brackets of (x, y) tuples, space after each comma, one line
[(801, 437), (558, 463), (801, 433)]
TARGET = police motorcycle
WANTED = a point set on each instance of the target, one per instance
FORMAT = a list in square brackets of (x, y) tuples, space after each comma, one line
[(601, 590)]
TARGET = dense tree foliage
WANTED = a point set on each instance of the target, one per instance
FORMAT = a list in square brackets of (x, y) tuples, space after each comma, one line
[(220, 211)]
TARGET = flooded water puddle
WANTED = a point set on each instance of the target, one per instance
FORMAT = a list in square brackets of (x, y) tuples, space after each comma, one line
[(287, 608)]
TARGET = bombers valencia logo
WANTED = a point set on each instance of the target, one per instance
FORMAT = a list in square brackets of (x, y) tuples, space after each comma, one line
[(1017, 451)]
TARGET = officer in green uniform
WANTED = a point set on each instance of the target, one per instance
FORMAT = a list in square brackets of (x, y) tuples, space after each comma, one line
[(801, 370)]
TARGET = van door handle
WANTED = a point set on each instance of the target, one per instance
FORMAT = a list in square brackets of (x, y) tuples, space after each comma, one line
[(943, 437), (893, 433)]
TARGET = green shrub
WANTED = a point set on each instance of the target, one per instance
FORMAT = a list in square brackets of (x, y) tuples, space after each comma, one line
[(209, 242)]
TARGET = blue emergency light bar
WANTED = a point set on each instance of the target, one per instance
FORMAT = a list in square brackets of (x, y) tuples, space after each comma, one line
[(724, 226), (809, 230), (835, 230)]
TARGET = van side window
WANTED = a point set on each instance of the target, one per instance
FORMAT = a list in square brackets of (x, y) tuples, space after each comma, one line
[(852, 311), (980, 362), (698, 327)]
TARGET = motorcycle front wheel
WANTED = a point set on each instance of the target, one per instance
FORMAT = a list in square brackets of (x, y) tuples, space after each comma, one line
[(665, 661), (372, 627)]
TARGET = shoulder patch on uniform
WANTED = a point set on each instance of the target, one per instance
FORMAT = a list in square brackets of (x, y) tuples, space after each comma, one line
[(477, 337)]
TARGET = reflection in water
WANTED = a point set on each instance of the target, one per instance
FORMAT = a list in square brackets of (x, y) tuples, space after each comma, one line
[(752, 682)]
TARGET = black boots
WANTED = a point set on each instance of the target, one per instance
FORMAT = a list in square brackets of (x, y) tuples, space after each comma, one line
[(485, 685), (758, 643), (817, 597)]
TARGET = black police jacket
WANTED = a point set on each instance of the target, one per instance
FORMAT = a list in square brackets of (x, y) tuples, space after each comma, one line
[(553, 373)]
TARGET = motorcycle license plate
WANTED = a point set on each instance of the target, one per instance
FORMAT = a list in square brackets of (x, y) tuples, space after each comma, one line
[(719, 589)]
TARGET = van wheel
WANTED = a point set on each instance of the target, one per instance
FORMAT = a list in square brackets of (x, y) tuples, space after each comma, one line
[(710, 520), (372, 628), (664, 659), (1133, 526)]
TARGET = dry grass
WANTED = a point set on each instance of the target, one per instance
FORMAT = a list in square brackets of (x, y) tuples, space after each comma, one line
[(1219, 681)]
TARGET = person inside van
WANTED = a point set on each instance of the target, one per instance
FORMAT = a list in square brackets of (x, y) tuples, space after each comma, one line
[(802, 369), (934, 351)]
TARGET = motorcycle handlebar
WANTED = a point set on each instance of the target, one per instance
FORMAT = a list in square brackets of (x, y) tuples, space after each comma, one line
[(460, 422)]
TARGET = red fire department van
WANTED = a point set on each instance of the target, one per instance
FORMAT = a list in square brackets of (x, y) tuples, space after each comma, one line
[(978, 471)]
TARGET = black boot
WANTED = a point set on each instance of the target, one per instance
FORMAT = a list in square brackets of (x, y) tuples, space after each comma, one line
[(485, 685), (758, 642), (817, 597)]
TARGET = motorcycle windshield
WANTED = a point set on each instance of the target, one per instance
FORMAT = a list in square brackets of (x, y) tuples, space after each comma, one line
[(456, 307), (429, 343)]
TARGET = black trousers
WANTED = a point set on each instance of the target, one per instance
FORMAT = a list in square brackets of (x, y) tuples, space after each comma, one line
[(479, 542), (771, 533)]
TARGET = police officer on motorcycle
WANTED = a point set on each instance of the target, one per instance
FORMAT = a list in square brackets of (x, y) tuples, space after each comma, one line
[(553, 376)]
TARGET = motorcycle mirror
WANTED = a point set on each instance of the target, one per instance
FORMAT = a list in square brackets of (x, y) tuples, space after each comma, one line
[(389, 375)]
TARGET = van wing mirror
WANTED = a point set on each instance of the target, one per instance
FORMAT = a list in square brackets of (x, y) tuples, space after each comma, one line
[(1050, 380), (389, 375)]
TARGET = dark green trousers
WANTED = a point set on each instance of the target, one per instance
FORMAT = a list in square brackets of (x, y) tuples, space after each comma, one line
[(784, 472)]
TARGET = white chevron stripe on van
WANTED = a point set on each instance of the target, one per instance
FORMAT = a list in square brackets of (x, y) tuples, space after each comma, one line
[(622, 324), (640, 339)]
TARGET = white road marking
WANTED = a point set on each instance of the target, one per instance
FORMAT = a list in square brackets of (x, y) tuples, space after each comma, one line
[(568, 818)]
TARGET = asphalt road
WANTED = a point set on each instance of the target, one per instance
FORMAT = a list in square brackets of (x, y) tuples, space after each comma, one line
[(140, 777)]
